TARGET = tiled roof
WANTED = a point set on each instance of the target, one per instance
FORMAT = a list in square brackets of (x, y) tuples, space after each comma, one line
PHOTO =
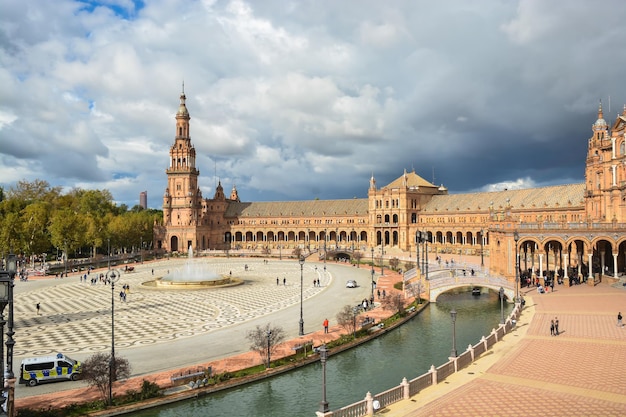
[(559, 196), (356, 206), (409, 179)]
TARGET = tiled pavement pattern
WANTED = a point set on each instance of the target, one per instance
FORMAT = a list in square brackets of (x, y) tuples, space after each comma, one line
[(76, 317), (233, 363), (529, 373), (581, 372)]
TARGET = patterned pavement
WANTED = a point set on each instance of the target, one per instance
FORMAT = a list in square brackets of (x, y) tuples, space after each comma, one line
[(581, 372), (76, 316)]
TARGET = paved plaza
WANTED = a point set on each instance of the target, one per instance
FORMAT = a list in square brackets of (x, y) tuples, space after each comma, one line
[(580, 372), (75, 316), (160, 330)]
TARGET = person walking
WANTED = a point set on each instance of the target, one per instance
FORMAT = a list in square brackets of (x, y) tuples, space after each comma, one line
[(284, 281), (39, 307), (556, 326), (551, 327), (619, 318), (325, 325)]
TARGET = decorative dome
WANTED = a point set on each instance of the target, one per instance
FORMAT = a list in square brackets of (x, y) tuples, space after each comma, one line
[(600, 123)]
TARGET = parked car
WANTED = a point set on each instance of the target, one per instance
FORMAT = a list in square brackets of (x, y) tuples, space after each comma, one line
[(351, 284)]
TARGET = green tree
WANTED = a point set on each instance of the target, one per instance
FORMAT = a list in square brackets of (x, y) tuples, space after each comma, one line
[(34, 220), (37, 190), (10, 232), (67, 230)]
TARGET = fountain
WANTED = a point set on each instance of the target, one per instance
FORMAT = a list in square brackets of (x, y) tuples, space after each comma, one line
[(193, 275)]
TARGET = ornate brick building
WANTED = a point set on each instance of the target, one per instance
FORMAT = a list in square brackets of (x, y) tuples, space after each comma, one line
[(564, 228)]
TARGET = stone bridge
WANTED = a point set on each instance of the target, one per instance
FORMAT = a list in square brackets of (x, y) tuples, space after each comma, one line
[(446, 279)]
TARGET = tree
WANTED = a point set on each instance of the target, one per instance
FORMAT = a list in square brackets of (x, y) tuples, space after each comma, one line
[(346, 318), (394, 302), (96, 372), (30, 192), (394, 262), (408, 265), (68, 230), (357, 257), (415, 290), (10, 232), (34, 220), (297, 252), (265, 340)]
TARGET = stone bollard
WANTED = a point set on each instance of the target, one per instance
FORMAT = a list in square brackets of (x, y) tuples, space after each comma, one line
[(470, 348), (433, 371), (370, 403), (405, 389)]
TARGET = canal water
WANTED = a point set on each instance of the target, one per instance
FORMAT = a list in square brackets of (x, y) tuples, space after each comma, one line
[(376, 366)]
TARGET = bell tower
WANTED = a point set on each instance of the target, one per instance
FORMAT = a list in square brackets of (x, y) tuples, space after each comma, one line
[(182, 201)]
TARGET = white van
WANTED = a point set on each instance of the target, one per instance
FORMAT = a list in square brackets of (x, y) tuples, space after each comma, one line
[(49, 368)]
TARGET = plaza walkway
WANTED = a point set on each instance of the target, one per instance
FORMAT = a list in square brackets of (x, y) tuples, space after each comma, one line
[(580, 372), (85, 319)]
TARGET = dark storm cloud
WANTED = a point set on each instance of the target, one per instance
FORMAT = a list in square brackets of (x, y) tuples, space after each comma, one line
[(306, 99)]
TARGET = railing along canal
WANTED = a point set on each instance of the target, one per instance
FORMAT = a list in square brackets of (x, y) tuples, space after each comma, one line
[(434, 376)]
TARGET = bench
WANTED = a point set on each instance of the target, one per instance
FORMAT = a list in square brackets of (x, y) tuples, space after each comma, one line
[(190, 376), (302, 348), (367, 324)]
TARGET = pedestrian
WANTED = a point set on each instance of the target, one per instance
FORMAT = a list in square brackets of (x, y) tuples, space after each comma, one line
[(318, 282), (325, 325), (556, 326), (314, 282), (551, 327), (619, 318), (39, 307), (152, 271), (378, 292), (284, 281), (277, 281), (122, 295), (384, 293)]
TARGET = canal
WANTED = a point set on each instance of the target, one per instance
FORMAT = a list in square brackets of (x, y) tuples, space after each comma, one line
[(376, 366)]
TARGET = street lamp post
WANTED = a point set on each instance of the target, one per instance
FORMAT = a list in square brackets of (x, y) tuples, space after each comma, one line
[(141, 250), (352, 239), (325, 234), (112, 276), (425, 238), (418, 241), (516, 238), (269, 336), (109, 253), (65, 259), (301, 332), (5, 282), (10, 377), (453, 353), (372, 283), (355, 312), (382, 255), (501, 305), (323, 356), (482, 239)]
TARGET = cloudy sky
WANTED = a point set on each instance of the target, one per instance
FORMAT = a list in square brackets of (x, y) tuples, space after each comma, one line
[(306, 99)]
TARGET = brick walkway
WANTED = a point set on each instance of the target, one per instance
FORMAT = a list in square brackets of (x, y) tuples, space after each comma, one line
[(581, 372)]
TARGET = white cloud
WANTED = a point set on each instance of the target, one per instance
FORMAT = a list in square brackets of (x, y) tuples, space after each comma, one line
[(293, 100)]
